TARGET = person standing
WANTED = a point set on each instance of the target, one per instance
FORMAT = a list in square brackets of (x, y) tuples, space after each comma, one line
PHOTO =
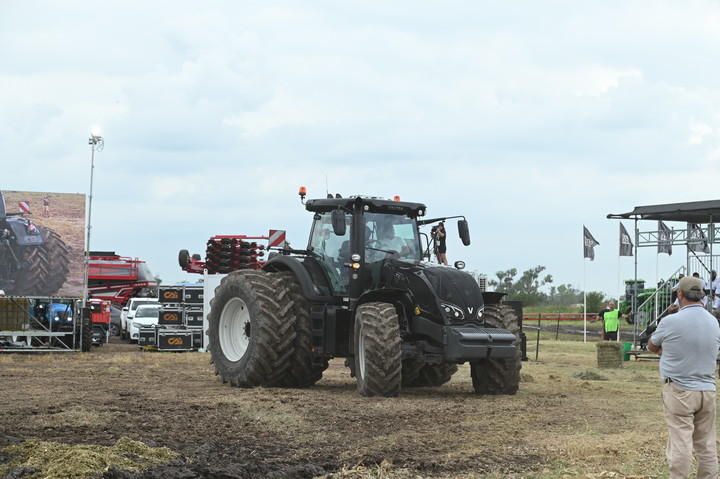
[(687, 343), (46, 205), (441, 245), (610, 317)]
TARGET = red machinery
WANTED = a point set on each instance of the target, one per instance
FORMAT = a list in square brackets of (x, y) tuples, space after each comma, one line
[(226, 253), (100, 319), (100, 312), (117, 278)]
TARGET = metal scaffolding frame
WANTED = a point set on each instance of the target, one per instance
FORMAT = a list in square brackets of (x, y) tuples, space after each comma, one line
[(22, 331), (699, 232)]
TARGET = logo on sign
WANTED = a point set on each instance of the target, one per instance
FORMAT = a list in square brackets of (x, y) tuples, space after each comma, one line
[(171, 295)]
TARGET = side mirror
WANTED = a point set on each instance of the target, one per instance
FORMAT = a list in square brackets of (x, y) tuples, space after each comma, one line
[(464, 232), (338, 222)]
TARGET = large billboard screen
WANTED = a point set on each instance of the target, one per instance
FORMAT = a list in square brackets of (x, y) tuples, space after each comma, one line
[(42, 243)]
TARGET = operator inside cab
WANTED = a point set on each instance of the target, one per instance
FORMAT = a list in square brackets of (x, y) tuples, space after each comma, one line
[(386, 242)]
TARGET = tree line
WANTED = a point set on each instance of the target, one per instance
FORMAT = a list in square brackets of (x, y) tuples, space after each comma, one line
[(526, 287)]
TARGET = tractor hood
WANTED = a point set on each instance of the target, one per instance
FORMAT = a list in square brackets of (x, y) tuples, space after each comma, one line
[(457, 292), (446, 293)]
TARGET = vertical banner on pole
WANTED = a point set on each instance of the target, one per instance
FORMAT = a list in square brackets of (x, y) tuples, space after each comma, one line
[(589, 243)]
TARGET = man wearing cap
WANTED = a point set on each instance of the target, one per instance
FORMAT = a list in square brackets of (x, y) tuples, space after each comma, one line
[(688, 343)]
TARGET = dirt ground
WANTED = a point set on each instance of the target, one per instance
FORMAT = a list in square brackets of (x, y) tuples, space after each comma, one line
[(173, 400)]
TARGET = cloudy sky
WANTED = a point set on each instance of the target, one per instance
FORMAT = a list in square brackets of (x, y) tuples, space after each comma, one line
[(532, 119)]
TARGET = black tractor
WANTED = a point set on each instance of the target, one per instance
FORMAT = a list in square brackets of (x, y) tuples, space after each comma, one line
[(363, 290), (34, 261)]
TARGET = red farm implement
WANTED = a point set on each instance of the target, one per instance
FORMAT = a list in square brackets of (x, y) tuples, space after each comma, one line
[(117, 278), (227, 253)]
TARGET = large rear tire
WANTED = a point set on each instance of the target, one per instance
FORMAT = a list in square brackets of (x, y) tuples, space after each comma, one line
[(378, 354), (434, 375), (410, 371), (251, 329), (47, 267), (301, 373), (499, 376)]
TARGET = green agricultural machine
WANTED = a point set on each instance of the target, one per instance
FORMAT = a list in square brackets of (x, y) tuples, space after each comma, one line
[(649, 302)]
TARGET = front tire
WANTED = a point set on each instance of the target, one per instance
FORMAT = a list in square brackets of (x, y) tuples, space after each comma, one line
[(378, 355), (250, 335), (499, 376)]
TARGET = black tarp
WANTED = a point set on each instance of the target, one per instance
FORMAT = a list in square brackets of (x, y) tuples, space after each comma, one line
[(692, 212)]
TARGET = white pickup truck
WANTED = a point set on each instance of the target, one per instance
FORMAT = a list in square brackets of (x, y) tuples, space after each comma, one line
[(128, 312)]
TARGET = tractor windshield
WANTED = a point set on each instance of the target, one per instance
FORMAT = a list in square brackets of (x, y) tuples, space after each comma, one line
[(332, 251), (386, 237), (391, 234)]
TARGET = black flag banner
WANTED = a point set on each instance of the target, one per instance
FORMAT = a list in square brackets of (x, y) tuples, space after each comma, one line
[(697, 241), (589, 243), (664, 239), (626, 246)]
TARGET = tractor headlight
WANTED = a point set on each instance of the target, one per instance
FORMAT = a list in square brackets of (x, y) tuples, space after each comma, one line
[(453, 312)]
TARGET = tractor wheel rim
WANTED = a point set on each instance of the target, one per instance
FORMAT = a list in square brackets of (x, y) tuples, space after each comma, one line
[(361, 356), (234, 332)]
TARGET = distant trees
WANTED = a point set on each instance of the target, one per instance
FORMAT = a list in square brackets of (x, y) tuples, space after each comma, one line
[(526, 288), (595, 301), (564, 295)]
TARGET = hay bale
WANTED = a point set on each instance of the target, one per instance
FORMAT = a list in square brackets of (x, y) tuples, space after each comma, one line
[(609, 354)]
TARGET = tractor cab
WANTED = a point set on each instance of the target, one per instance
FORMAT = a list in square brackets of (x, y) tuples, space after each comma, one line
[(381, 236)]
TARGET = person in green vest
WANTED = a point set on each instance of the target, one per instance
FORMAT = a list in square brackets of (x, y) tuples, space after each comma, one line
[(610, 317)]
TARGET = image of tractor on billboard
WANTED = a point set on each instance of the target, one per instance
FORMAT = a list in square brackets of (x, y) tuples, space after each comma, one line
[(41, 243)]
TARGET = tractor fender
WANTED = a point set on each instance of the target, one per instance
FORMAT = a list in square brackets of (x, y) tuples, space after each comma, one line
[(298, 268), (403, 302), (493, 297)]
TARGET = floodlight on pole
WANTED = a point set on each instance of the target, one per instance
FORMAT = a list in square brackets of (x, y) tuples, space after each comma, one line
[(97, 143)]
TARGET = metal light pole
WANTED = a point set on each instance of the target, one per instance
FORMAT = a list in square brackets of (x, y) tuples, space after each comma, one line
[(97, 143)]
